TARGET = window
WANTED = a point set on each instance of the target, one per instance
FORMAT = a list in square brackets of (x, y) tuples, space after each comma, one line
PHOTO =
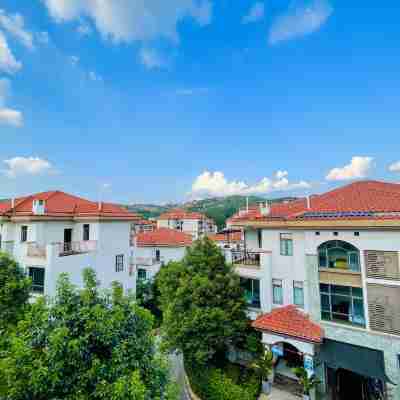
[(158, 255), (317, 233), (286, 244), (259, 237), (24, 233), (37, 276), (339, 255), (142, 274), (335, 233), (119, 263), (251, 289), (86, 232), (356, 233), (277, 291), (342, 304), (298, 293)]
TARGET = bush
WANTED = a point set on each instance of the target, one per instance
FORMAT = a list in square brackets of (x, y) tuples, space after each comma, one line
[(231, 382)]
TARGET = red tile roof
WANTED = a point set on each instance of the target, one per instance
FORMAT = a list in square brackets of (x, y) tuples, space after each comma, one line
[(60, 204), (225, 237), (164, 237), (182, 214), (358, 200), (290, 321)]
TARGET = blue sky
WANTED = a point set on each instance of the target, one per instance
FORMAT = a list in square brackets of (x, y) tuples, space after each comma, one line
[(196, 97)]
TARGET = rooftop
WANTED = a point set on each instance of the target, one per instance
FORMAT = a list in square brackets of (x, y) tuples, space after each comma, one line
[(164, 237), (225, 237), (358, 200), (60, 204), (290, 321)]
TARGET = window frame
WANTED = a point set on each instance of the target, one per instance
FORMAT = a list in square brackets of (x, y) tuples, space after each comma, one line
[(24, 233), (277, 283), (119, 263), (298, 285), (255, 301), (141, 270), (286, 244), (348, 249), (86, 231), (37, 287)]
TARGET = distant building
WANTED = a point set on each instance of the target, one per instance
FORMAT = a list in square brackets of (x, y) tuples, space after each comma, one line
[(322, 279), (193, 223), (228, 239), (54, 232), (156, 248)]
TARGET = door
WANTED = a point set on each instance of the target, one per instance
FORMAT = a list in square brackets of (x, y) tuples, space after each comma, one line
[(67, 239)]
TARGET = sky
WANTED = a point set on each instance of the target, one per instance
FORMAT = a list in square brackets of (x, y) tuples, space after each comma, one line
[(155, 101)]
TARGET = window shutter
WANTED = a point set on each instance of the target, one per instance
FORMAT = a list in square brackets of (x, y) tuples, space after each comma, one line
[(384, 308), (382, 264)]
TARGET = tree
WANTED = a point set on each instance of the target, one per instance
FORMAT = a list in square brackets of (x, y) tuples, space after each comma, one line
[(84, 344), (202, 302), (14, 292)]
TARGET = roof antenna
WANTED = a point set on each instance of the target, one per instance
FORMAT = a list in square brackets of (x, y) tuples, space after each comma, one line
[(247, 203), (308, 202)]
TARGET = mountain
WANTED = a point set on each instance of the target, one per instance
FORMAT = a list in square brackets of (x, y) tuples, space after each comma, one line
[(217, 208)]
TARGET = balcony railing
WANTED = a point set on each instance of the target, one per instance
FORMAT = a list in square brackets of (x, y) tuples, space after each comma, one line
[(250, 258), (72, 248), (7, 247), (36, 250)]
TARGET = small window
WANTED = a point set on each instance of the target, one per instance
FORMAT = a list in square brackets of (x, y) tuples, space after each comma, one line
[(158, 255), (277, 291), (298, 293), (24, 233), (86, 232), (286, 244), (119, 263), (142, 274), (317, 233), (356, 233), (259, 237), (37, 276), (335, 233)]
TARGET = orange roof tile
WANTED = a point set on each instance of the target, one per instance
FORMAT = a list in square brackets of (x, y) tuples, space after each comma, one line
[(224, 237), (290, 321), (182, 214), (60, 204), (164, 237), (358, 200)]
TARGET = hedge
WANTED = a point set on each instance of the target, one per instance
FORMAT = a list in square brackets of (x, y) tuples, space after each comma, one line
[(231, 382)]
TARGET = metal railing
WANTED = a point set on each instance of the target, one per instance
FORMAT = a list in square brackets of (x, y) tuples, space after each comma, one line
[(251, 258), (35, 250), (72, 248)]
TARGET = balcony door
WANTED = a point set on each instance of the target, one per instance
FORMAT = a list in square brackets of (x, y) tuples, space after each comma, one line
[(67, 239)]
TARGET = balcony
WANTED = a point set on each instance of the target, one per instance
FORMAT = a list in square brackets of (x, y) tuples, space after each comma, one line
[(73, 248), (148, 261), (246, 258), (7, 247), (35, 250)]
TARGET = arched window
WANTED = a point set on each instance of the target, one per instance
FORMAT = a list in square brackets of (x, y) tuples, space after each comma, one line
[(340, 255)]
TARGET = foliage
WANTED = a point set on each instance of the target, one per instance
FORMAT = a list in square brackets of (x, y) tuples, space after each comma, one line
[(84, 344), (229, 382), (250, 341), (14, 292), (202, 302), (148, 296), (263, 366), (306, 381)]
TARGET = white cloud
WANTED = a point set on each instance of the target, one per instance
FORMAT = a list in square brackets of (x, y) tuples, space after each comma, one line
[(151, 58), (11, 117), (94, 77), (132, 20), (17, 166), (216, 184), (84, 29), (191, 91), (8, 63), (256, 13), (14, 25), (8, 116), (359, 167), (74, 60), (302, 19), (395, 167)]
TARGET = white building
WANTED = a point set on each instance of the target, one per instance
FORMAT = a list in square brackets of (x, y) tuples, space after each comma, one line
[(53, 232), (228, 239), (322, 277), (193, 223), (159, 247)]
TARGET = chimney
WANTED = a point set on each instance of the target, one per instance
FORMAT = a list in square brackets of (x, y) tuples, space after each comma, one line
[(308, 202), (100, 205), (12, 203)]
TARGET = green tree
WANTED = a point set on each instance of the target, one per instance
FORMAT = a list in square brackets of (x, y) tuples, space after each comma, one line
[(14, 292), (84, 344), (202, 302)]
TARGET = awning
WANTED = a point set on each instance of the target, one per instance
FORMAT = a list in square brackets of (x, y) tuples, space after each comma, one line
[(361, 360)]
